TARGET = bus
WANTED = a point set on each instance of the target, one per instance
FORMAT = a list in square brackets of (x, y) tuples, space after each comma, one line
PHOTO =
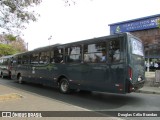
[(6, 66), (113, 64)]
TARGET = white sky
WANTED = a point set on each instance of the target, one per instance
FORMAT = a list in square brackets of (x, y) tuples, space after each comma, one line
[(87, 19)]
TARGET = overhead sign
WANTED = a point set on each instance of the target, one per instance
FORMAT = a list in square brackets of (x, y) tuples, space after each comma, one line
[(139, 24)]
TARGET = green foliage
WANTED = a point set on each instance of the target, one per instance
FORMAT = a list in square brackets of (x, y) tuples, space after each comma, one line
[(158, 23), (14, 13), (14, 42), (6, 50), (10, 37)]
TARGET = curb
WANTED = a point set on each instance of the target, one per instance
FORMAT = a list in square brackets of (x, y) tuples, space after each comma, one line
[(147, 92)]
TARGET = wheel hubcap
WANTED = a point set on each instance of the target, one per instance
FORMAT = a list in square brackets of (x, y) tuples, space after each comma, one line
[(20, 79), (64, 86)]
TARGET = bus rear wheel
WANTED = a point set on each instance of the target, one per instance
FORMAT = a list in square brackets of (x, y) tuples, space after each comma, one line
[(9, 75), (20, 79), (2, 76), (64, 86)]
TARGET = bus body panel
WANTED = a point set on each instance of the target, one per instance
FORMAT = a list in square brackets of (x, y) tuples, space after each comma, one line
[(136, 63)]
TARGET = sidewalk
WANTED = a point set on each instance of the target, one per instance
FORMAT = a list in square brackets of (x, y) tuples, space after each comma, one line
[(12, 99), (150, 86), (149, 90)]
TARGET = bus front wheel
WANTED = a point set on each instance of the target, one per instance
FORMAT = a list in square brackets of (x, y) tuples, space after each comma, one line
[(64, 86)]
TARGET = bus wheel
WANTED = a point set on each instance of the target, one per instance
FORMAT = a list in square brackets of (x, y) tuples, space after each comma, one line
[(2, 76), (20, 79), (9, 76), (64, 86)]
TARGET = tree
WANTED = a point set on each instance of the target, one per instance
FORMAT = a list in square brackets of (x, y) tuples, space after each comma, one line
[(11, 44), (14, 13), (158, 23), (6, 50), (10, 37), (19, 45)]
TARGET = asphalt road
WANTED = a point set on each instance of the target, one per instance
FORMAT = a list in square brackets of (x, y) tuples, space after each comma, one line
[(93, 101)]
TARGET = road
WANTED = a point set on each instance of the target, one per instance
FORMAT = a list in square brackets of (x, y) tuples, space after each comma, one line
[(94, 101)]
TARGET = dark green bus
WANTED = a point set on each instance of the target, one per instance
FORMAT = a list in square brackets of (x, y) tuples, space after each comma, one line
[(112, 64)]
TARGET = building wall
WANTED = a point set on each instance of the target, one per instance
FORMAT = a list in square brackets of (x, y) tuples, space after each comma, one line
[(151, 40), (149, 37)]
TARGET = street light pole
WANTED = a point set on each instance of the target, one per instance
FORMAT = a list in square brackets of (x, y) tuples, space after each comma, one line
[(50, 39), (27, 46)]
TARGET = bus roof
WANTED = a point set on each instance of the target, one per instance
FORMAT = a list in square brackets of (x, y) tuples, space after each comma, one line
[(103, 38), (96, 39), (8, 56)]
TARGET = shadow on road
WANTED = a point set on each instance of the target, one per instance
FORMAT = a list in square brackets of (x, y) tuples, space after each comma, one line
[(93, 101)]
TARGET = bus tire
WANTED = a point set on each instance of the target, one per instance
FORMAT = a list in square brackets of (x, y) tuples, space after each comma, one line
[(2, 76), (19, 79), (64, 86), (9, 75)]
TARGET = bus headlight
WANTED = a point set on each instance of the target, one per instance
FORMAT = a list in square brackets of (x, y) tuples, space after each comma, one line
[(139, 78)]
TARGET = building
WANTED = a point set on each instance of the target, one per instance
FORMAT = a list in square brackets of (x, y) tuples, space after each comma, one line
[(146, 28)]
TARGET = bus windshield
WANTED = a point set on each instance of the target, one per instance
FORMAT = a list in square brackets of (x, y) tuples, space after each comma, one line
[(137, 47)]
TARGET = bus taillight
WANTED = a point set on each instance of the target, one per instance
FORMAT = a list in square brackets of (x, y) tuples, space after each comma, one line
[(130, 73)]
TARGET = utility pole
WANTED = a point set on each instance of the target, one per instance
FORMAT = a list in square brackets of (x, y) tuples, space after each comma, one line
[(50, 39), (27, 46)]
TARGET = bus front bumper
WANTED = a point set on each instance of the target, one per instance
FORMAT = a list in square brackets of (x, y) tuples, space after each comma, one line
[(137, 86)]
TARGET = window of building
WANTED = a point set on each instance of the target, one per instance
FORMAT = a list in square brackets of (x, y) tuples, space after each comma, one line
[(73, 54), (95, 53)]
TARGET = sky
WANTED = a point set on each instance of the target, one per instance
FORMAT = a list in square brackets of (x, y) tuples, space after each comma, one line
[(84, 20)]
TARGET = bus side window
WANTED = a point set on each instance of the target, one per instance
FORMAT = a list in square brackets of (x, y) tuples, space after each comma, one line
[(44, 57), (73, 54), (58, 56), (14, 60), (19, 60), (34, 58), (11, 61), (52, 57), (95, 53), (25, 59), (114, 50)]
